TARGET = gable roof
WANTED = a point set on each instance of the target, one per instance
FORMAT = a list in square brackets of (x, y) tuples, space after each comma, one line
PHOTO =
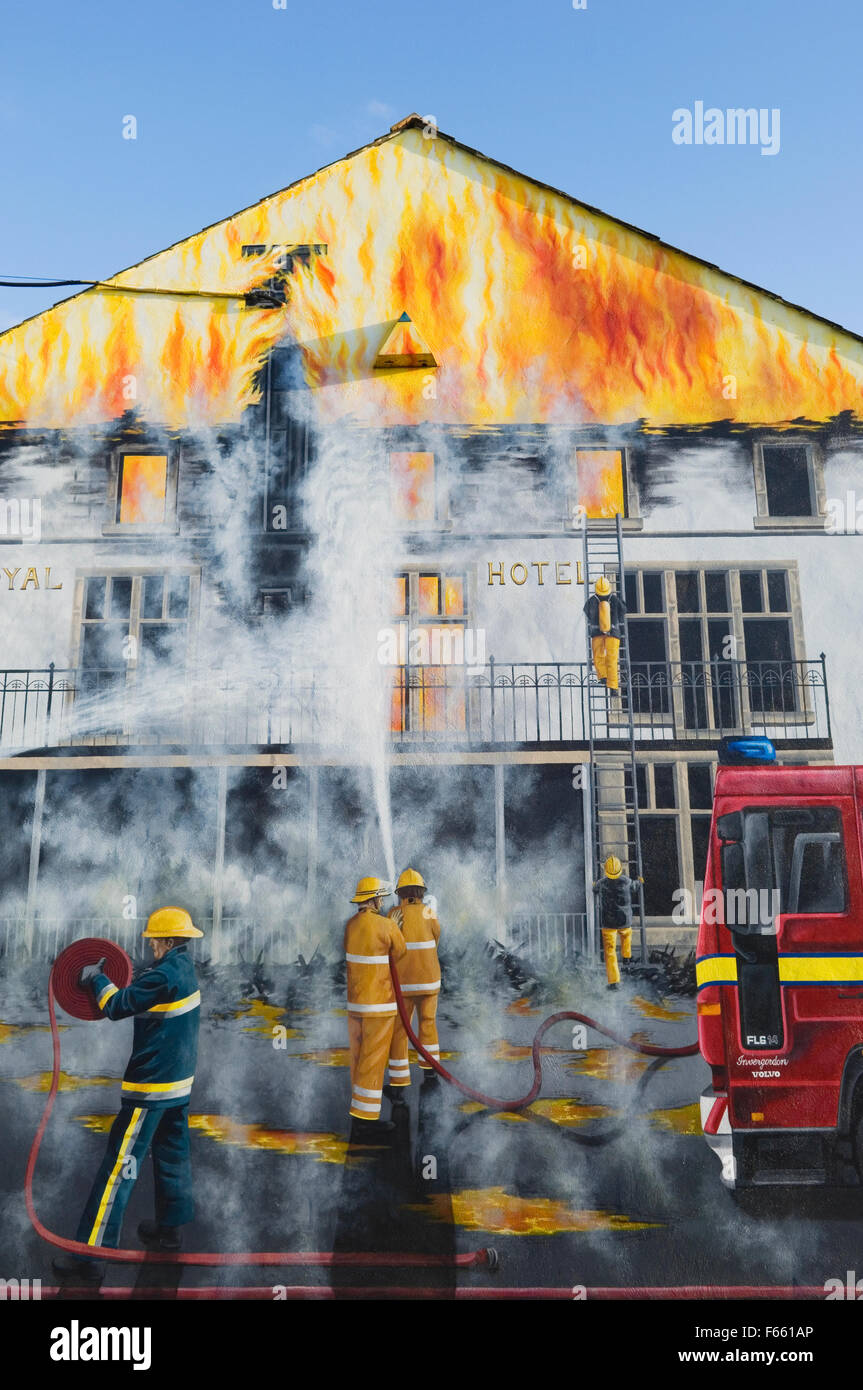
[(215, 368), (415, 121)]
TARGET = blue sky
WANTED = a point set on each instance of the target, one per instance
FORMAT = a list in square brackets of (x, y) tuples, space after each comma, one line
[(235, 99)]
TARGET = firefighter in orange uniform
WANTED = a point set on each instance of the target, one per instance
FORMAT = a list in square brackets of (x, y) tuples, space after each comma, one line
[(370, 938), (606, 613), (419, 976)]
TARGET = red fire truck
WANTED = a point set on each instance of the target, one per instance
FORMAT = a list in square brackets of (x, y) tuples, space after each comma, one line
[(780, 972)]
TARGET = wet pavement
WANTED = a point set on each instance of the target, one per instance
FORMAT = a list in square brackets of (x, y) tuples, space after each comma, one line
[(605, 1180)]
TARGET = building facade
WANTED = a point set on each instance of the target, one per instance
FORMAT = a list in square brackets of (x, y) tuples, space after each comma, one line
[(300, 518)]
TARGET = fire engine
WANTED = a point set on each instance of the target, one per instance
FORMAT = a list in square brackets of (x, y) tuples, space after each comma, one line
[(780, 971)]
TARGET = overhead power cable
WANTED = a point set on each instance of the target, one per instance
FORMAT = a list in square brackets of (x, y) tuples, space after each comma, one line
[(16, 284)]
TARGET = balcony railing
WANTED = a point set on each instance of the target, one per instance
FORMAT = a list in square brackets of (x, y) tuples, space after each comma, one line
[(549, 936), (235, 940), (533, 704), (543, 938)]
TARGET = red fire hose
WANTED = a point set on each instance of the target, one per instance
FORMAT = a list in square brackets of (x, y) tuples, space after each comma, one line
[(647, 1049), (63, 986)]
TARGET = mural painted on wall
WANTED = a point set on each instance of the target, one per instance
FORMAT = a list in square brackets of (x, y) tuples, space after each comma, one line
[(420, 684), (533, 306)]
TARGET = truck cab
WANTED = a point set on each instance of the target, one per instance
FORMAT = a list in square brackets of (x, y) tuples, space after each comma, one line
[(780, 976)]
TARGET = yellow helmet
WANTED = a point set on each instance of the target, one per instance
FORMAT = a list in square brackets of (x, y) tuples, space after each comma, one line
[(170, 921), (369, 888), (602, 587), (411, 879), (613, 867)]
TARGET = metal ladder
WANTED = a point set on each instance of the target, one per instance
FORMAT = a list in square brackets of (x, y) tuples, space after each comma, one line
[(611, 737)]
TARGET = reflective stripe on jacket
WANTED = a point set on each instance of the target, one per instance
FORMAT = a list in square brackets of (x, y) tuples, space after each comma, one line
[(166, 1004), (369, 938), (419, 970)]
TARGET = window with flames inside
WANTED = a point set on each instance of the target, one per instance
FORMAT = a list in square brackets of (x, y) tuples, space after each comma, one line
[(429, 610)]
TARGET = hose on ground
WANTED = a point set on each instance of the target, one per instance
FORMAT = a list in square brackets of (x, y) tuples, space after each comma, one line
[(493, 1102), (65, 971)]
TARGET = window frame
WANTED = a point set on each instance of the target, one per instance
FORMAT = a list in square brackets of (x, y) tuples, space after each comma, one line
[(814, 520), (683, 812), (631, 519), (170, 526), (650, 811), (441, 519), (412, 724), (735, 617), (137, 573)]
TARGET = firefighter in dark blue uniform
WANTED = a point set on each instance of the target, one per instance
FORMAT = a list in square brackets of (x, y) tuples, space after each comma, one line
[(616, 892), (154, 1110)]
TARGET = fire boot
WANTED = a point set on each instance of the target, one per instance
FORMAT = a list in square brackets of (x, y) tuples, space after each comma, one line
[(431, 1079), (369, 1130), (75, 1268), (395, 1097), (157, 1237)]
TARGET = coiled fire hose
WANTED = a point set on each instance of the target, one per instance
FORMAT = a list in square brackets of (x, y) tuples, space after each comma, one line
[(647, 1050), (64, 988)]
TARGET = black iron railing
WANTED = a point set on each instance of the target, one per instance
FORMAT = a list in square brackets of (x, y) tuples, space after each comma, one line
[(497, 703)]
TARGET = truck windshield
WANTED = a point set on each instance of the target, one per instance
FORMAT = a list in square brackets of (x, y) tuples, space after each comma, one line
[(799, 854)]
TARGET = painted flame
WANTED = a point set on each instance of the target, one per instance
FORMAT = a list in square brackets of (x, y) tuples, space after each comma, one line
[(538, 309), (503, 1213), (265, 1017), (41, 1081), (326, 1148), (562, 1110)]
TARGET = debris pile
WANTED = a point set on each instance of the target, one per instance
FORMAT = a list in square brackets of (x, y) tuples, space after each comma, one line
[(666, 971)]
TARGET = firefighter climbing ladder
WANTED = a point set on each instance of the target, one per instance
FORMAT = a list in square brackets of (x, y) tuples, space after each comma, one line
[(611, 734)]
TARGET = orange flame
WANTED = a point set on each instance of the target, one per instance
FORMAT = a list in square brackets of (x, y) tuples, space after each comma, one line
[(266, 1016), (680, 1119), (326, 1148), (539, 309), (659, 1011), (412, 486), (502, 1213), (9, 1031), (564, 1111), (41, 1081)]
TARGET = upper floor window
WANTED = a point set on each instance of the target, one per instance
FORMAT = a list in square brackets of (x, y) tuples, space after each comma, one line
[(143, 489), (142, 492), (132, 634), (704, 641), (430, 609), (132, 619), (599, 485), (413, 493), (788, 482)]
